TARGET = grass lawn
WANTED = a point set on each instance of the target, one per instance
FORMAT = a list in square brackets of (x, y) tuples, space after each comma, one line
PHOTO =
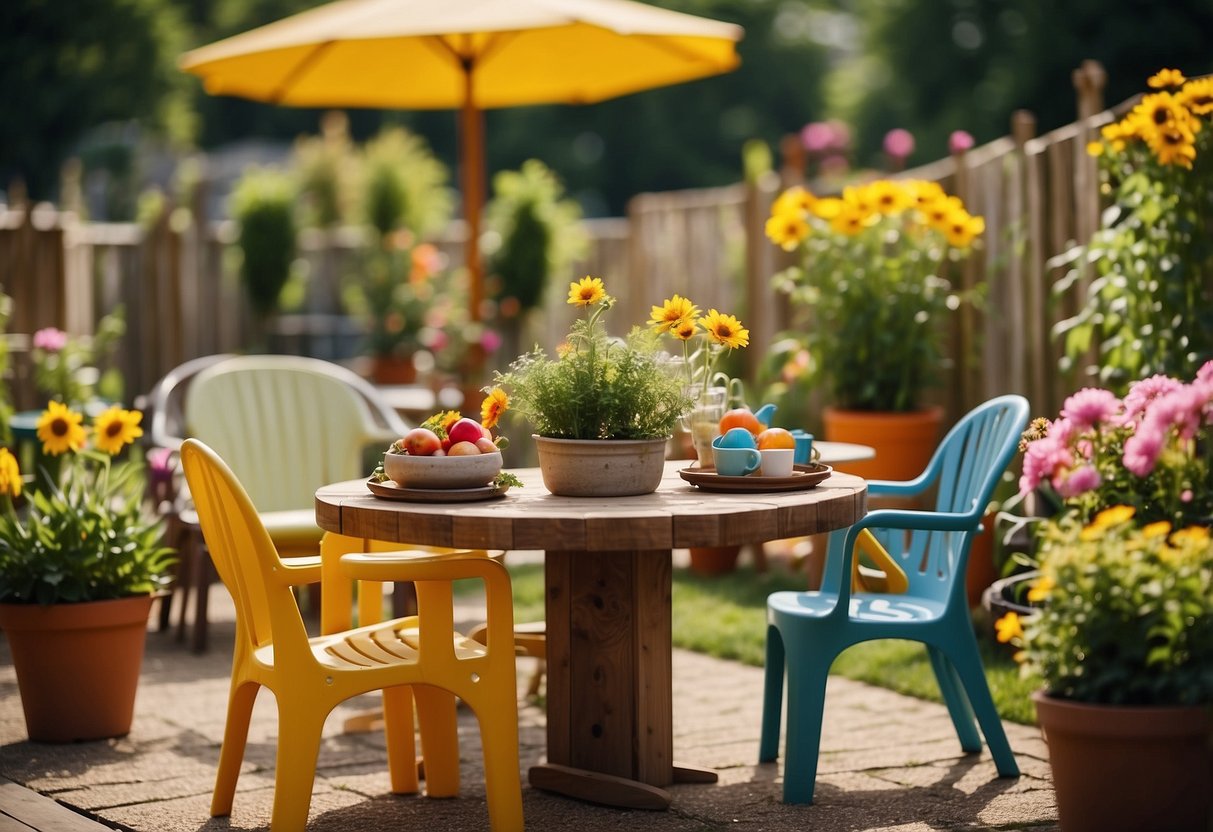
[(726, 617)]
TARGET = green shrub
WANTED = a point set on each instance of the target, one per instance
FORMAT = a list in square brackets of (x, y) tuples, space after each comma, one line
[(263, 203)]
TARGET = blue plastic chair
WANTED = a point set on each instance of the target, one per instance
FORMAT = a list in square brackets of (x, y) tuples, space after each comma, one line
[(807, 630)]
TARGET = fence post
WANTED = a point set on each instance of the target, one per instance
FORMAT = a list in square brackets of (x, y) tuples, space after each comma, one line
[(1025, 294), (1089, 81)]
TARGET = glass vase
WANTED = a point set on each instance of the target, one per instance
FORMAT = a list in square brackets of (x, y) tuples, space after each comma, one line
[(703, 421)]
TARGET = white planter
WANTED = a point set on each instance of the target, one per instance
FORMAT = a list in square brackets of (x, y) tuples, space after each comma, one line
[(601, 467)]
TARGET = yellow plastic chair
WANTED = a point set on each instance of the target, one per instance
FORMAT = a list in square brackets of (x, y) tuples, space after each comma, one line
[(309, 677)]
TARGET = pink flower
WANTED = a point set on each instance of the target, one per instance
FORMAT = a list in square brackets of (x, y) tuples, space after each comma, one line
[(1142, 393), (490, 340), (1186, 495), (1143, 447), (1079, 481), (50, 339), (1182, 408), (1090, 407), (960, 142), (825, 136), (1205, 373), (1045, 457), (898, 143)]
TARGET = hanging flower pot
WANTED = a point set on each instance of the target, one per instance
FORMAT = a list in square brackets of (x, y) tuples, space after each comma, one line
[(77, 665)]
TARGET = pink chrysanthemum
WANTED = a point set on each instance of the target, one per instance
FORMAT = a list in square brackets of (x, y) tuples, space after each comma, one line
[(1143, 392), (1090, 407), (1079, 481)]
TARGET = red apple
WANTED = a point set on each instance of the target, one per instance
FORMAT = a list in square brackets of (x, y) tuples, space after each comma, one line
[(463, 449), (486, 445), (465, 430), (421, 442)]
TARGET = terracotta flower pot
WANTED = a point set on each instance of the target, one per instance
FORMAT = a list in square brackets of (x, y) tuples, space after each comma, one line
[(393, 369), (1132, 768), (77, 665), (904, 442), (714, 560), (601, 467)]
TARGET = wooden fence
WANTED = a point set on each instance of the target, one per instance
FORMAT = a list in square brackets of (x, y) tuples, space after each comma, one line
[(178, 279)]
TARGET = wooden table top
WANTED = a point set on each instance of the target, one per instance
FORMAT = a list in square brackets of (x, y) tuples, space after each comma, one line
[(678, 515)]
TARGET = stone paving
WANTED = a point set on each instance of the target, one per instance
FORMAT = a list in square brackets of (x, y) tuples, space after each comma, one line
[(888, 762)]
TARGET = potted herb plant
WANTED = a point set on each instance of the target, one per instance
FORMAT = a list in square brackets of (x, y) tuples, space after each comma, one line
[(603, 408), (79, 564), (1123, 634), (871, 273)]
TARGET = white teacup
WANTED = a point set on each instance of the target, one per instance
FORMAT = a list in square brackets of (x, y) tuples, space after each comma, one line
[(778, 462)]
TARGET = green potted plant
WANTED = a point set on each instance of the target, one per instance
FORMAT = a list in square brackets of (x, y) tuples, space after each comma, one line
[(1145, 280), (603, 408), (80, 562), (1123, 634), (871, 273)]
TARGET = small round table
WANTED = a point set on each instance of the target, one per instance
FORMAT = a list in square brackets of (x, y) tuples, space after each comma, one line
[(607, 571)]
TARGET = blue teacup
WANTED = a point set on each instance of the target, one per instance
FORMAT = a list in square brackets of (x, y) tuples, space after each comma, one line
[(735, 438), (804, 447), (735, 462)]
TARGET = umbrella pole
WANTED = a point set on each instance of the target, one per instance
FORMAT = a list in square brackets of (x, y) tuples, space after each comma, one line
[(472, 128)]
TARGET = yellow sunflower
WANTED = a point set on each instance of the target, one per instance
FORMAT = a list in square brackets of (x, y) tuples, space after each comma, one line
[(60, 429), (587, 291), (939, 212), (116, 428), (1165, 78), (890, 198), (1174, 146), (962, 228), (1197, 96), (851, 220), (795, 200), (828, 208), (10, 474), (494, 404), (725, 329), (786, 229), (685, 330), (671, 313), (925, 192)]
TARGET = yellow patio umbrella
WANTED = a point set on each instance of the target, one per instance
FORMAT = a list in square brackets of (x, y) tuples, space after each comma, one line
[(469, 55)]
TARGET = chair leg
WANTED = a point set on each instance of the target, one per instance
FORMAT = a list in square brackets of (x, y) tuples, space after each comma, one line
[(499, 739), (299, 733), (235, 734), (967, 663), (772, 697), (954, 697), (806, 706), (439, 740), (401, 741)]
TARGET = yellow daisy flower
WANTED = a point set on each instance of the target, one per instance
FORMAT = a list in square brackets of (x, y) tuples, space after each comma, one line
[(672, 312), (1165, 78), (1114, 516), (1197, 96), (1160, 529), (10, 474), (685, 330), (1041, 588), (938, 212), (116, 428), (60, 429), (725, 329), (796, 199), (860, 198), (1192, 534), (925, 192), (890, 198), (1174, 147), (1009, 627), (1095, 149), (828, 208), (449, 418), (961, 229), (494, 404), (787, 229), (587, 291), (851, 220)]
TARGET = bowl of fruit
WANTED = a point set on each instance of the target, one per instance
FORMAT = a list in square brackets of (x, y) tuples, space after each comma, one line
[(465, 457)]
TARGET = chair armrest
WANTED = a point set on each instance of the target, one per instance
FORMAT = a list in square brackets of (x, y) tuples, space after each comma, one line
[(942, 521), (412, 565), (899, 488), (300, 571)]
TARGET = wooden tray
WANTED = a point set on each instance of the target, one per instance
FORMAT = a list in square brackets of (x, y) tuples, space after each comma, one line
[(388, 490), (802, 477)]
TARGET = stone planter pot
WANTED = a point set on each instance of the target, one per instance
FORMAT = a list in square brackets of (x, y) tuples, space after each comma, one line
[(1129, 767), (77, 665), (601, 467)]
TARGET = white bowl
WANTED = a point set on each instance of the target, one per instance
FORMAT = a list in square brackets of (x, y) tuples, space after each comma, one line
[(409, 471)]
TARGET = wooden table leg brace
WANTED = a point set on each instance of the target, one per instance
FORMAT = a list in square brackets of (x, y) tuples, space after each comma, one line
[(610, 707)]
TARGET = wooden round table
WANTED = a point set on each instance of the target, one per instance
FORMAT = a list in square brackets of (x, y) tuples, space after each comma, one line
[(608, 576)]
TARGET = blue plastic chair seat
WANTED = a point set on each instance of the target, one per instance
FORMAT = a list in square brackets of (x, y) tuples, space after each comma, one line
[(863, 608)]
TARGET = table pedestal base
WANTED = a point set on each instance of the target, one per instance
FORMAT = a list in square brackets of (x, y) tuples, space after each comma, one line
[(609, 790), (610, 709)]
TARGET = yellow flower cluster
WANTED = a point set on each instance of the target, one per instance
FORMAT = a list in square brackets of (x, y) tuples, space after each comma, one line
[(61, 429), (923, 205), (1167, 121), (679, 317)]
